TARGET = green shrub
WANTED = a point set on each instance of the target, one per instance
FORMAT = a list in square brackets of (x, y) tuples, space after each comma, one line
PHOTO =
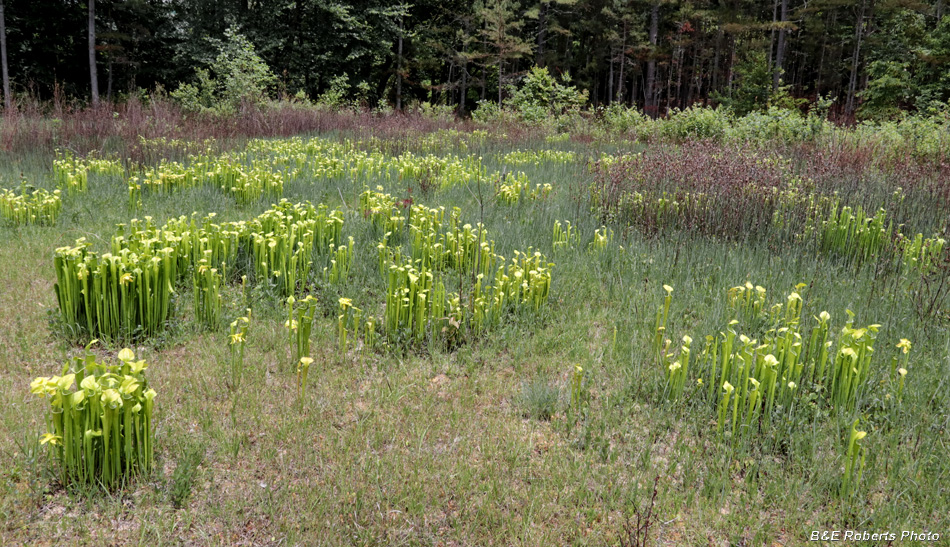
[(436, 112), (489, 112), (237, 76), (696, 123), (335, 95), (753, 85), (889, 87), (777, 124), (541, 96), (617, 118)]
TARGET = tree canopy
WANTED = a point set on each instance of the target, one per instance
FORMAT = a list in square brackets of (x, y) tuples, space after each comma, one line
[(875, 58)]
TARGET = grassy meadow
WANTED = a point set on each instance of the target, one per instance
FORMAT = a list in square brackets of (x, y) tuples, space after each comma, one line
[(564, 410)]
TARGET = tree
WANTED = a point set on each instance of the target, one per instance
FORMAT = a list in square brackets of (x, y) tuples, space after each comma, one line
[(7, 100), (856, 57), (399, 72), (93, 78), (649, 89), (889, 86), (780, 48), (654, 53), (753, 84), (547, 13), (238, 76), (932, 76), (466, 57), (621, 33), (501, 33)]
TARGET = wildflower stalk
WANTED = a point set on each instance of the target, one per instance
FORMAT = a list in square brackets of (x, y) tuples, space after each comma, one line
[(237, 339), (661, 316), (854, 462)]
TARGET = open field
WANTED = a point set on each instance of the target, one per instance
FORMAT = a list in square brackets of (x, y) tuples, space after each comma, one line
[(493, 412)]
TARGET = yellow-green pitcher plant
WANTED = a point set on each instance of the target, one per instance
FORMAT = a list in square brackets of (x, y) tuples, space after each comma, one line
[(99, 425)]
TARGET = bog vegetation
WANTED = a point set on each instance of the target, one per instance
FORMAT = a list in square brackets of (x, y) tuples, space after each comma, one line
[(425, 330), (545, 273)]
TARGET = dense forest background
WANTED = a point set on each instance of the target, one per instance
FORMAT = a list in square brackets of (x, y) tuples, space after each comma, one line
[(873, 58)]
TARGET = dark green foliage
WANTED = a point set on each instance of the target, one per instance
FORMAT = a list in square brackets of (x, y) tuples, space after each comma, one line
[(933, 75), (890, 85), (237, 75), (753, 85), (541, 95), (873, 58)]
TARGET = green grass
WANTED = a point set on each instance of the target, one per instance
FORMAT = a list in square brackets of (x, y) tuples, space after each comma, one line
[(431, 446)]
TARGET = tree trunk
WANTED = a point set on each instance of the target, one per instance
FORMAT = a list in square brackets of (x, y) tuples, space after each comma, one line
[(610, 79), (464, 91), (7, 100), (634, 89), (669, 86), (484, 65), (595, 99), (623, 63), (449, 89), (780, 49), (484, 82), (499, 80), (731, 64), (772, 33), (939, 11), (650, 88), (821, 68), (679, 78), (695, 75), (399, 70), (542, 30), (799, 80), (93, 78), (464, 59), (856, 59), (714, 77)]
